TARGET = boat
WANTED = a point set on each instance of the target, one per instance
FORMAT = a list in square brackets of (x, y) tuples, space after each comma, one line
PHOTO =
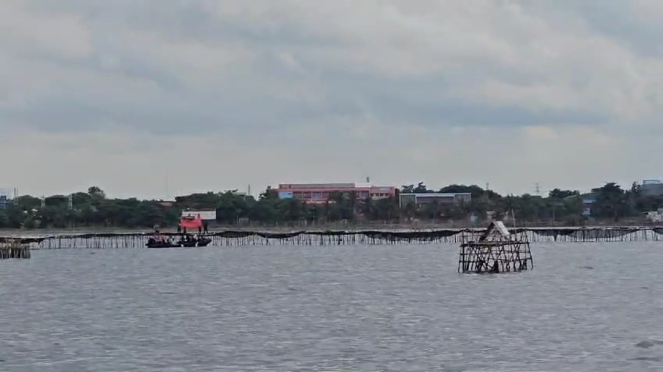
[(183, 242), (153, 243), (200, 242), (162, 245)]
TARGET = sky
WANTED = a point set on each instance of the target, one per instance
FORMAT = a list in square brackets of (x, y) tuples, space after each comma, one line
[(161, 98)]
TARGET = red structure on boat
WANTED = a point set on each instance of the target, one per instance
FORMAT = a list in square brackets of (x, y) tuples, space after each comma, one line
[(191, 223)]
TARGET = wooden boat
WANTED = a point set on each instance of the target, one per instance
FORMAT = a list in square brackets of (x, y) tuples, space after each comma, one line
[(200, 242), (152, 243)]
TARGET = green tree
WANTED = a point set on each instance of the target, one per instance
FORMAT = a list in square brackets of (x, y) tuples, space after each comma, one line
[(96, 193), (562, 194), (230, 207), (386, 209), (27, 202), (94, 208), (611, 202), (4, 220)]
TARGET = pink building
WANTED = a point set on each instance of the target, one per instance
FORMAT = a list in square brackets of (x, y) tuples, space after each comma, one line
[(315, 193)]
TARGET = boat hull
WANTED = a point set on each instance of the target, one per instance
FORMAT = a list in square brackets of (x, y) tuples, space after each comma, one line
[(163, 245), (203, 242)]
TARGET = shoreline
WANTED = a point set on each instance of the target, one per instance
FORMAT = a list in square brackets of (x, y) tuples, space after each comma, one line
[(288, 229)]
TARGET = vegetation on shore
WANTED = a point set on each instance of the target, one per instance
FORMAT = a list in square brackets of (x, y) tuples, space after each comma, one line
[(94, 209)]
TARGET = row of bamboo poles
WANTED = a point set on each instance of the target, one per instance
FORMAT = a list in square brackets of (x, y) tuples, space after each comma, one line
[(14, 249), (244, 238)]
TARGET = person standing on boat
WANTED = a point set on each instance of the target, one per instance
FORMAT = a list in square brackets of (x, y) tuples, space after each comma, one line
[(157, 236)]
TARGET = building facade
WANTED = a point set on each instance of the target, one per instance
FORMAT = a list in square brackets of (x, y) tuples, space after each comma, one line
[(655, 216), (651, 188), (205, 215), (7, 197), (320, 193), (434, 197), (588, 201)]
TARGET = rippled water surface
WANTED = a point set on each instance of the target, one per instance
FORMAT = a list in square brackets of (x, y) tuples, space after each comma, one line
[(589, 307)]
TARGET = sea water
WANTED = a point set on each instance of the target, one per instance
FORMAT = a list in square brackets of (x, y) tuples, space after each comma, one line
[(584, 307)]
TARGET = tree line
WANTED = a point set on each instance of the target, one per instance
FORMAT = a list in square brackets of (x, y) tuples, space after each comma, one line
[(94, 209)]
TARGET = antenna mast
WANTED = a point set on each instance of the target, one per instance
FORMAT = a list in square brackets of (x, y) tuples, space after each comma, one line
[(166, 186)]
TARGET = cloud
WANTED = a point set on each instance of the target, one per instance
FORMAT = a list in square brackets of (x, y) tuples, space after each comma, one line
[(222, 94)]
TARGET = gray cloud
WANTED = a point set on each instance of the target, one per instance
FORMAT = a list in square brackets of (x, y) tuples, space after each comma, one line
[(614, 19), (326, 62), (303, 76)]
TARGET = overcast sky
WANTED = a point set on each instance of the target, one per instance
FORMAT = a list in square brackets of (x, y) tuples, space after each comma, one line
[(160, 98)]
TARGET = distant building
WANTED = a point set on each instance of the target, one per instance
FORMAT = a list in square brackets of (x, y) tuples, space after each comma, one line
[(588, 201), (205, 215), (318, 193), (6, 197), (166, 203), (655, 216), (434, 197), (651, 188)]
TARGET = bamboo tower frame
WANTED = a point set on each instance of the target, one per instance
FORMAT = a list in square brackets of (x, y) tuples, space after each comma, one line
[(496, 251)]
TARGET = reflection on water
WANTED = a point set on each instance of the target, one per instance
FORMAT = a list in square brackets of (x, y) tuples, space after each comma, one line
[(590, 307)]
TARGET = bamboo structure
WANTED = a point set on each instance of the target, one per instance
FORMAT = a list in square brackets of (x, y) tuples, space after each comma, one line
[(349, 237), (496, 251), (14, 249)]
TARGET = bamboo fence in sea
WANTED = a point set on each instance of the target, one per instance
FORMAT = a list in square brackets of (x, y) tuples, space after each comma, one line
[(14, 248), (342, 237)]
